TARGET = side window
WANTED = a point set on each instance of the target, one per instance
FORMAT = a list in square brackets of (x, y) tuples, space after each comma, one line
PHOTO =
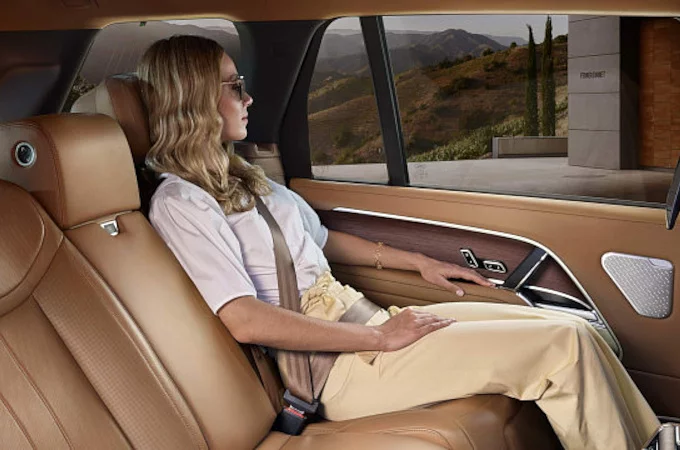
[(344, 127), (118, 47), (562, 106)]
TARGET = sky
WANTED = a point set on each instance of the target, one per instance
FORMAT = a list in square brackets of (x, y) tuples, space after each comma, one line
[(496, 25)]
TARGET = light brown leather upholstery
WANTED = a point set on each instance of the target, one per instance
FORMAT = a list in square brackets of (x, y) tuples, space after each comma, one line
[(162, 363), (118, 96), (70, 178), (106, 343), (266, 156)]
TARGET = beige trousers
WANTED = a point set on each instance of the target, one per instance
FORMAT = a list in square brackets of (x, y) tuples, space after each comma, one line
[(557, 360)]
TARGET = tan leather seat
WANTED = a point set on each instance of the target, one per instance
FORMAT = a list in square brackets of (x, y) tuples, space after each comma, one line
[(165, 370), (118, 97), (105, 342)]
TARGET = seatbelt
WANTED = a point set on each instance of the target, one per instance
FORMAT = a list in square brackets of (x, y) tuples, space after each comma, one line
[(307, 371), (268, 374)]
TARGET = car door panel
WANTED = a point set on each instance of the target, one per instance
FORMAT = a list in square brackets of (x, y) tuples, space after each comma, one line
[(444, 243), (578, 234)]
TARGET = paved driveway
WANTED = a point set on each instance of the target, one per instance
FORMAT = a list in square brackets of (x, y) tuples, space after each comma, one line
[(551, 176)]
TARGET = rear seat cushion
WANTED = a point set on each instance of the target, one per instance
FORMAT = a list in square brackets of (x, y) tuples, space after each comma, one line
[(76, 372), (211, 375), (208, 370)]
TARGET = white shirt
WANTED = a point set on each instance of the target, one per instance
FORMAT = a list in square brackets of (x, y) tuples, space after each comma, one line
[(233, 256)]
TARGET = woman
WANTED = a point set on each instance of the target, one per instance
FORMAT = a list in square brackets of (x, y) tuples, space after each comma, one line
[(204, 210)]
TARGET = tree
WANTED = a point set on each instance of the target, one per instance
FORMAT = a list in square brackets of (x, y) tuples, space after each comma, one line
[(79, 88), (531, 99), (548, 84)]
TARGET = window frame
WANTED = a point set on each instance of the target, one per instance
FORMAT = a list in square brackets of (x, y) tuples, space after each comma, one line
[(373, 32)]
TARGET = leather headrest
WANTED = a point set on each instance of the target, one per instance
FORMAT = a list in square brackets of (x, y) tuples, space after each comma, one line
[(28, 242), (119, 97), (82, 171)]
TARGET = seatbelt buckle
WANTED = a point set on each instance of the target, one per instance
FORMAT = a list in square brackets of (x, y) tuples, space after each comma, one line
[(293, 418)]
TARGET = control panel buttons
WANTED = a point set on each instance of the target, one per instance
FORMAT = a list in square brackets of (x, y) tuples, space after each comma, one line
[(495, 266), (469, 257)]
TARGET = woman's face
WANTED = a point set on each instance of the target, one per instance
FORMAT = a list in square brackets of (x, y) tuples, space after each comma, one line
[(232, 108)]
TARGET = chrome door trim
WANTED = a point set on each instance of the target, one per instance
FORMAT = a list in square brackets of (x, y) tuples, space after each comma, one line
[(562, 294)]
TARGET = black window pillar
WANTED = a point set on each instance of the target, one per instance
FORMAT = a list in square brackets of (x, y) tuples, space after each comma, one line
[(386, 96)]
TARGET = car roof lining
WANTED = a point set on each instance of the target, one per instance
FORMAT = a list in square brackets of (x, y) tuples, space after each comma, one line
[(94, 14)]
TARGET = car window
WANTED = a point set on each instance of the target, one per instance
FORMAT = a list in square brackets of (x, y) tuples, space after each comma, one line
[(563, 106), (344, 127), (118, 47)]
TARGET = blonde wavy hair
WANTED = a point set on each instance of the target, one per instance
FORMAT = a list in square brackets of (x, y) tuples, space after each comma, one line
[(180, 85)]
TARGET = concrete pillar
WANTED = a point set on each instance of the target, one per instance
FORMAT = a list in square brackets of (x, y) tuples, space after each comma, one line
[(603, 92)]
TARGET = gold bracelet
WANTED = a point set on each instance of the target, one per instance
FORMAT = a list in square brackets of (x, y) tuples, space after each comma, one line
[(376, 256)]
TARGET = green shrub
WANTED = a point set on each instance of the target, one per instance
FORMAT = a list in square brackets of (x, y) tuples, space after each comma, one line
[(493, 65), (454, 86), (79, 88), (445, 64), (473, 145), (343, 137)]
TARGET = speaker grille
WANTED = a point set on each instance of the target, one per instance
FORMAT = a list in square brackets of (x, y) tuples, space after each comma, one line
[(647, 283)]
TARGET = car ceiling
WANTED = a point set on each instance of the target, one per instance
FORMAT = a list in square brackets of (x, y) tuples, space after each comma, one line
[(93, 14)]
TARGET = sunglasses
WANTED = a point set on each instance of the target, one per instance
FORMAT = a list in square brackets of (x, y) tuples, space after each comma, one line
[(238, 86)]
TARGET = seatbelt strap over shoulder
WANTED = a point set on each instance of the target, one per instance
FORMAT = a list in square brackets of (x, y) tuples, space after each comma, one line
[(297, 364), (307, 372)]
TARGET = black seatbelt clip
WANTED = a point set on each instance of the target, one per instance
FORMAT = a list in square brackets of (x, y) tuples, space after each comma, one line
[(293, 418)]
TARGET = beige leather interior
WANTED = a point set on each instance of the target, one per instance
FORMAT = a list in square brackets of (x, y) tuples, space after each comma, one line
[(66, 162), (577, 232), (107, 344), (396, 287), (119, 97), (88, 14), (264, 155)]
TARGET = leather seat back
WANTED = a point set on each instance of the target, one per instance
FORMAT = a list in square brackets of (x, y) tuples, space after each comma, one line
[(118, 96), (104, 341)]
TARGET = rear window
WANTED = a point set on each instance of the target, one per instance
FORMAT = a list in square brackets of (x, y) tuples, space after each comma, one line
[(118, 47)]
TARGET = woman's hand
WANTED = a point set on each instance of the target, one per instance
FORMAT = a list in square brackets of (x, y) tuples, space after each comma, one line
[(439, 272), (407, 327)]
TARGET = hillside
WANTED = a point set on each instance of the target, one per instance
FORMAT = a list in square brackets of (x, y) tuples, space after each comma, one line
[(345, 54), (440, 104)]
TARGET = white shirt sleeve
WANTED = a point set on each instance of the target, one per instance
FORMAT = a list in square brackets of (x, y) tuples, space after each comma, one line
[(310, 221), (205, 246)]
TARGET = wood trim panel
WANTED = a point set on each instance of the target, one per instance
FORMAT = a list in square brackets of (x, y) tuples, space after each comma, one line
[(445, 244)]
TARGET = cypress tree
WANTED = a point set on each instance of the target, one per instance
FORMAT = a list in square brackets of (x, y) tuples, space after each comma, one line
[(548, 84), (531, 100)]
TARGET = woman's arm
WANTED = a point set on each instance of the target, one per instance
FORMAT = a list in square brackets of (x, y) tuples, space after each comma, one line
[(252, 321), (345, 248)]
